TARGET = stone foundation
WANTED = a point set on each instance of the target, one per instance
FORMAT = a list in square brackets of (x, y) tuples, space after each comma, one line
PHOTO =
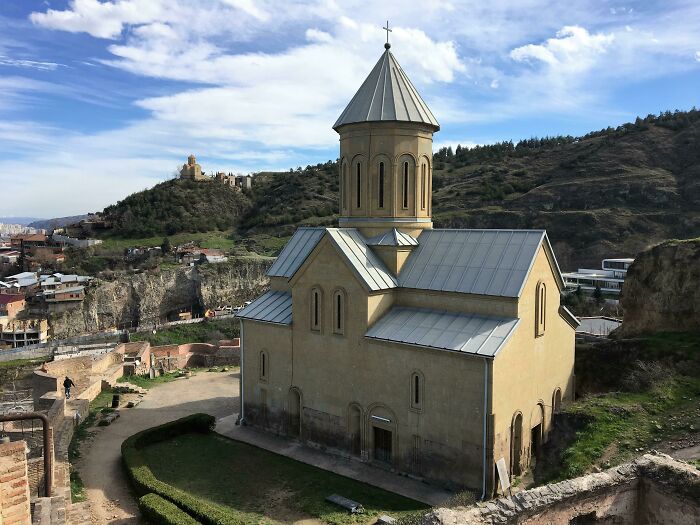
[(653, 490)]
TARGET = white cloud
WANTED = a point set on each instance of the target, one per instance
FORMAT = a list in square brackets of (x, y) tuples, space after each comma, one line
[(268, 102), (31, 64), (249, 7), (101, 19), (573, 49)]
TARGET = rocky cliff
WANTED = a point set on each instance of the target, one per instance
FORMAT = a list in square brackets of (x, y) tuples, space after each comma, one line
[(148, 297), (662, 290)]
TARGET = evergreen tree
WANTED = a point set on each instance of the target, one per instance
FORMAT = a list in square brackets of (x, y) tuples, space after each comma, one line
[(165, 246)]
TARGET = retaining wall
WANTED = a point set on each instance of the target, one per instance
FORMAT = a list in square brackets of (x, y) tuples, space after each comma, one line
[(14, 485)]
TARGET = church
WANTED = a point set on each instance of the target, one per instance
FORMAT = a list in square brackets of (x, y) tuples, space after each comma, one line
[(428, 352)]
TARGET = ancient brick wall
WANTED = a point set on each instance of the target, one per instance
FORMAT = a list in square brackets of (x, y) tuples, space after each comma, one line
[(652, 490), (14, 486)]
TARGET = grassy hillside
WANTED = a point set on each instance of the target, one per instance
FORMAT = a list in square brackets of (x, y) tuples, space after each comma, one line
[(610, 193)]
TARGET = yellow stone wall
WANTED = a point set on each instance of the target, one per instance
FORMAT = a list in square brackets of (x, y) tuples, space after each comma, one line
[(529, 369), (392, 143), (345, 379)]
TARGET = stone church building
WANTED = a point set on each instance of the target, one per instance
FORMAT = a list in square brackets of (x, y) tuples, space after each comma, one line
[(431, 352)]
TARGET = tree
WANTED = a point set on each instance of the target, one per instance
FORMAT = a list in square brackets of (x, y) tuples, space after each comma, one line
[(598, 294), (165, 246)]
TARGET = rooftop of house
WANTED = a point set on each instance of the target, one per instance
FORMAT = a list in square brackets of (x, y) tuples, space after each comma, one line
[(7, 298)]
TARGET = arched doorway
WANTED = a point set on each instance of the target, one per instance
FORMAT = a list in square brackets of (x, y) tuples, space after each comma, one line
[(294, 413), (516, 444), (536, 433), (355, 430), (556, 402)]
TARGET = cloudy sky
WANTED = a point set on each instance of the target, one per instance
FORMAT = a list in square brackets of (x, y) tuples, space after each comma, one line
[(99, 99)]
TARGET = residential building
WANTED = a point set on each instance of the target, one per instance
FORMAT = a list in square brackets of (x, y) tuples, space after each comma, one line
[(195, 255), (25, 283), (11, 305), (609, 279), (23, 332), (431, 352), (58, 287), (28, 240)]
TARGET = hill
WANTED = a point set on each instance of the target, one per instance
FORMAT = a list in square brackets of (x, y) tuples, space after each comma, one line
[(57, 222), (610, 193), (24, 221), (177, 206)]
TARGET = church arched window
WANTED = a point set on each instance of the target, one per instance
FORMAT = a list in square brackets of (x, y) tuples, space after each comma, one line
[(339, 312), (343, 187), (263, 366), (423, 185), (417, 390), (316, 306), (380, 200), (358, 185), (540, 308), (405, 185)]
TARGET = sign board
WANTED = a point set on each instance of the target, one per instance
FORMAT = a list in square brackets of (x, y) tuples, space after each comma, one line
[(503, 477)]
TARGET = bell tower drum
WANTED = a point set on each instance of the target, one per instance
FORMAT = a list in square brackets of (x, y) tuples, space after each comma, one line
[(386, 155)]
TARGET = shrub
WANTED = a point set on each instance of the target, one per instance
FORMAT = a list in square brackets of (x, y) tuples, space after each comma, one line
[(144, 482), (159, 511)]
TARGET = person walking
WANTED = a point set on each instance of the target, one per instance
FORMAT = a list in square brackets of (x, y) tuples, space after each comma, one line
[(67, 384)]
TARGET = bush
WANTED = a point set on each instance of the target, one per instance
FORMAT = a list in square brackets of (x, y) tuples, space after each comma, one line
[(144, 482), (159, 511)]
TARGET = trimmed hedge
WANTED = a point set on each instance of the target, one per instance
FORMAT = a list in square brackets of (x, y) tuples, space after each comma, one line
[(159, 511), (144, 482)]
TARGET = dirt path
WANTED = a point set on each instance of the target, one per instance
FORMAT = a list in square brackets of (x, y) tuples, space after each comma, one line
[(100, 465)]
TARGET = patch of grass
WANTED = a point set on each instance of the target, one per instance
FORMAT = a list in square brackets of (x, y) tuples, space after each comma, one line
[(251, 485), (17, 363), (623, 424), (77, 488), (208, 331)]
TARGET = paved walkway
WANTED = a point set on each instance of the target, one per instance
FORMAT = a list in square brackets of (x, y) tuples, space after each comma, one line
[(107, 489), (351, 468)]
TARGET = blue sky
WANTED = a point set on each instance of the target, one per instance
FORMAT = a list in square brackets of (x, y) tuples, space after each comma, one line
[(99, 99)]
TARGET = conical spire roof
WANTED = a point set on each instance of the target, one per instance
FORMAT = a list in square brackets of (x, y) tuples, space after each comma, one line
[(387, 95)]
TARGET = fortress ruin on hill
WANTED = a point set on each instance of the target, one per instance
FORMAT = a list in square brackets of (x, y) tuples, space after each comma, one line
[(191, 170)]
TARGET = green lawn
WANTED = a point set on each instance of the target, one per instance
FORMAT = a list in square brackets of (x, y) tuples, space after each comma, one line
[(208, 331), (256, 486)]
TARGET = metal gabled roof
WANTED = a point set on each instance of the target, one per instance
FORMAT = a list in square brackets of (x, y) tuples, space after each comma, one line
[(458, 332), (483, 262), (295, 252), (365, 263), (387, 95), (392, 237), (271, 307)]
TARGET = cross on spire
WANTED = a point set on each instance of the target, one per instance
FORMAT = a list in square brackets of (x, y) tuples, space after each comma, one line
[(386, 28)]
